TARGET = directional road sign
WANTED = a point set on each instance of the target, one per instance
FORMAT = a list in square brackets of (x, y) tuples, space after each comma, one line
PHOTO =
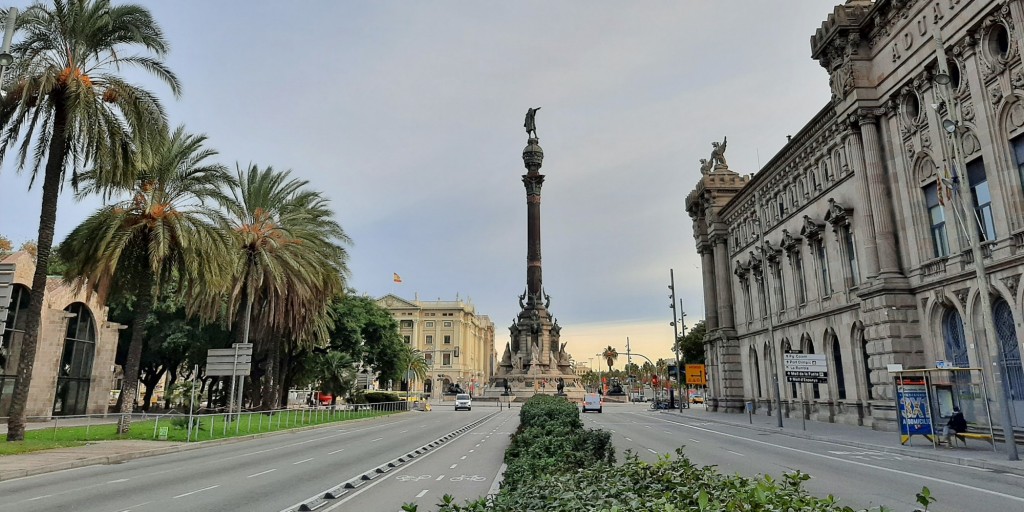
[(808, 368)]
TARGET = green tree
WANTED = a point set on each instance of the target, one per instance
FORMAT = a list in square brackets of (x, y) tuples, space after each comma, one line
[(691, 346), (610, 355), (369, 333), (67, 105), (416, 364), (164, 232), (288, 262)]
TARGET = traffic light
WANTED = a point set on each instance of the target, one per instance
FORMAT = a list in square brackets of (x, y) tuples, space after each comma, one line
[(654, 381)]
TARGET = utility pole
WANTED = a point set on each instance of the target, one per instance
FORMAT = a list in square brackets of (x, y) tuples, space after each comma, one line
[(683, 403)]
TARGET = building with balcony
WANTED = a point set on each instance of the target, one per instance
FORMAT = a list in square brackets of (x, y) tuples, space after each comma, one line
[(457, 343), (865, 255)]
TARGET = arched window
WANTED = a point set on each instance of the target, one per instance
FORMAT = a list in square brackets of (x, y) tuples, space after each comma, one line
[(865, 362), (837, 358), (1008, 343), (956, 346), (75, 371), (10, 344), (755, 373), (809, 349)]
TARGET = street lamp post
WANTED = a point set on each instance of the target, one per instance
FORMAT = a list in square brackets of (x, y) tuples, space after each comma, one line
[(952, 125), (675, 331), (771, 324)]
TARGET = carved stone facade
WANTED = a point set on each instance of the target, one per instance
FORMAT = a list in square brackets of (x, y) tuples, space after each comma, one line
[(457, 343), (75, 353), (878, 268)]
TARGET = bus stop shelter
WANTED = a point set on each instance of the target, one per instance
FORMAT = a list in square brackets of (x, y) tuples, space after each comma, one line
[(925, 397)]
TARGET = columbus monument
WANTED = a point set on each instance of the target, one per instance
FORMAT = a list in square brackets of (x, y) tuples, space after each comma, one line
[(534, 361)]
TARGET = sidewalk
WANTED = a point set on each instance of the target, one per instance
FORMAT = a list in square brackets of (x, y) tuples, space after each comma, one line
[(977, 454)]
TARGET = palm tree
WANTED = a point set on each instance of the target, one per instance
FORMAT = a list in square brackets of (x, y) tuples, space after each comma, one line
[(418, 366), (66, 105), (287, 258), (166, 230), (337, 372), (610, 355)]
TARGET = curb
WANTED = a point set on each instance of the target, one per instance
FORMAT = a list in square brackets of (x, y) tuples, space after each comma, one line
[(937, 457), (127, 456)]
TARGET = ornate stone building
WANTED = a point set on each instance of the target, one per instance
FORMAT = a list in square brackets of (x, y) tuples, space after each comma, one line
[(457, 343), (73, 368), (866, 257)]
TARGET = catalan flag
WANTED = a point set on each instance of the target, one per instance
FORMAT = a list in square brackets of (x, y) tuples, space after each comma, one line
[(397, 278)]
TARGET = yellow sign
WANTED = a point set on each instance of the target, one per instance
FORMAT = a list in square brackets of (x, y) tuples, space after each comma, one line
[(695, 375)]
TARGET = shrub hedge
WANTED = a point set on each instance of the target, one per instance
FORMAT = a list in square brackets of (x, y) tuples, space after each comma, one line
[(553, 464)]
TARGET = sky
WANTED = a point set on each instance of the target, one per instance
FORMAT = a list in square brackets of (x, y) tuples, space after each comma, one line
[(409, 116)]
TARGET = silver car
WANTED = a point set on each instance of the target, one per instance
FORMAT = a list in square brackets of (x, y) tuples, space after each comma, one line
[(463, 401)]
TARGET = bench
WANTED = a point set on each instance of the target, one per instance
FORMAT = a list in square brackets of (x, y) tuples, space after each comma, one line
[(964, 436)]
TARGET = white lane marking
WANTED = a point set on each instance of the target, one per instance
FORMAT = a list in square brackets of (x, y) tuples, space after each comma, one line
[(1011, 474), (463, 457), (119, 480), (375, 440), (193, 492), (471, 451), (453, 466), (737, 453), (423, 492), (837, 459), (39, 497), (477, 445), (652, 451), (301, 461), (261, 473), (666, 431), (694, 440), (336, 451), (440, 478), (628, 439), (496, 484), (404, 431)]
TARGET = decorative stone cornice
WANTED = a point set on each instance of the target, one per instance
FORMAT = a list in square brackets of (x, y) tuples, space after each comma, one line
[(838, 215), (790, 243), (812, 229)]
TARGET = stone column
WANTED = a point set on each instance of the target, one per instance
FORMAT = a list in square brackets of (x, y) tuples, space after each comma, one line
[(881, 207), (707, 259), (722, 285), (865, 227)]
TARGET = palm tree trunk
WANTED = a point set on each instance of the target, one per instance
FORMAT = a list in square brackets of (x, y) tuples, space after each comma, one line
[(53, 176), (131, 366)]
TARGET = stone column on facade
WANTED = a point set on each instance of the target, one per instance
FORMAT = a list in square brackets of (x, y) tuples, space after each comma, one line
[(881, 207), (865, 227), (723, 290), (707, 258)]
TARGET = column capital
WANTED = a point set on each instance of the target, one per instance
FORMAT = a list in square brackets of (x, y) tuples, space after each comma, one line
[(867, 116)]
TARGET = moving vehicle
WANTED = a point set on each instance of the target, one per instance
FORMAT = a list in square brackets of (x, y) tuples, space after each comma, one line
[(592, 402), (696, 398), (463, 401)]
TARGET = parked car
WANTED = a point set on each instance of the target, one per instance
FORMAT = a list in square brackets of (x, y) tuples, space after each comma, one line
[(696, 398), (463, 401), (592, 402)]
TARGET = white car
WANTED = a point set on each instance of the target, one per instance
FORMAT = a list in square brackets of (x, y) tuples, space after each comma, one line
[(463, 401)]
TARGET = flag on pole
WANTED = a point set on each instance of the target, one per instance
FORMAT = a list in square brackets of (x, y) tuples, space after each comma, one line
[(397, 278)]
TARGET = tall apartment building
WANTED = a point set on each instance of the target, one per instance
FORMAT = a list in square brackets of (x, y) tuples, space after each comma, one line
[(457, 343)]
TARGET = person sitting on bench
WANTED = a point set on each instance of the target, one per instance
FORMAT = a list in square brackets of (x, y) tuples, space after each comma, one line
[(957, 424)]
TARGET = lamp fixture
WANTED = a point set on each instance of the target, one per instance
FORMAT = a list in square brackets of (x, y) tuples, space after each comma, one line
[(942, 78), (949, 125)]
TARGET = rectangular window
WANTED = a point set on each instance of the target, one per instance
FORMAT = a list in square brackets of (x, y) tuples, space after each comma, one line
[(430, 339), (1018, 155), (447, 339), (780, 286), (446, 359), (801, 282), (851, 255), (447, 323), (764, 297), (407, 324), (825, 281), (429, 324), (982, 199), (937, 218)]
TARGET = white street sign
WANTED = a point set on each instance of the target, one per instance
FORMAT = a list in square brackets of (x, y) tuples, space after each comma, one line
[(799, 367)]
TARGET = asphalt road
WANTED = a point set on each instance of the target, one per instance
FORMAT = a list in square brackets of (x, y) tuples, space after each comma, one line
[(859, 478), (466, 468), (267, 474)]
